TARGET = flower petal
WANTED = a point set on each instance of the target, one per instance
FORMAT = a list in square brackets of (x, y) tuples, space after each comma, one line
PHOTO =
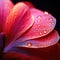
[(16, 56), (42, 42), (44, 23), (48, 53), (5, 7), (29, 4), (18, 21)]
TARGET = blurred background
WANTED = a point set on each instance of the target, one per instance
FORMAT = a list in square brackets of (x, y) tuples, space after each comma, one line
[(52, 6)]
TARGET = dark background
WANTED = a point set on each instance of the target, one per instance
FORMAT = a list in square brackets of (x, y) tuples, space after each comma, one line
[(51, 6)]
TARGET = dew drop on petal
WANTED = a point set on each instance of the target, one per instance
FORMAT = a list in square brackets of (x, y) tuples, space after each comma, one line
[(46, 12), (39, 17), (42, 25), (29, 44), (40, 33), (45, 32), (51, 19), (47, 41)]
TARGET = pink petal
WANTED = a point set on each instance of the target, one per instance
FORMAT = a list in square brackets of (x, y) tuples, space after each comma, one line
[(42, 42), (44, 23), (5, 7), (18, 21)]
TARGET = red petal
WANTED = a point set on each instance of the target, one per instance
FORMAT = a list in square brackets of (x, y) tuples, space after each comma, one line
[(18, 21), (49, 53), (44, 23), (42, 42), (5, 7), (29, 4), (15, 56)]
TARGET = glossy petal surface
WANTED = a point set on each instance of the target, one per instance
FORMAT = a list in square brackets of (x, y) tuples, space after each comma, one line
[(18, 21), (29, 4), (44, 23), (42, 42), (5, 7)]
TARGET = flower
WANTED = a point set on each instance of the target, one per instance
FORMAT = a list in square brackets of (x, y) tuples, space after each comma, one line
[(25, 26)]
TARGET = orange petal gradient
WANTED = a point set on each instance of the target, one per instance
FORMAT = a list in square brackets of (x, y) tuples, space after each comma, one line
[(18, 21)]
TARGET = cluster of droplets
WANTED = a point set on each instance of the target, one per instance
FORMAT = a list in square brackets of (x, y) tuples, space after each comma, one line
[(44, 32)]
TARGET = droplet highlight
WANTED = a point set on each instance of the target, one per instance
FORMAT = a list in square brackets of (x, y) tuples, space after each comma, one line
[(46, 12), (45, 32), (29, 44)]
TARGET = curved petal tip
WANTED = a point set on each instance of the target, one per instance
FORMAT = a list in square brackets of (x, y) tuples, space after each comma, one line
[(42, 42)]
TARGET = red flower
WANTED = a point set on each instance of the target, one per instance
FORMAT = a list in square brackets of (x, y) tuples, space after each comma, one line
[(27, 31)]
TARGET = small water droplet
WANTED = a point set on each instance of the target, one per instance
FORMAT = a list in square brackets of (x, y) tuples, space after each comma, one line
[(51, 23), (29, 44), (40, 33), (32, 17), (51, 19), (39, 17), (45, 12), (44, 32)]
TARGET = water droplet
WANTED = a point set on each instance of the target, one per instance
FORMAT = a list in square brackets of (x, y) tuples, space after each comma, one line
[(40, 33), (32, 17), (51, 22), (51, 19), (44, 32), (39, 17), (45, 12), (29, 44)]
